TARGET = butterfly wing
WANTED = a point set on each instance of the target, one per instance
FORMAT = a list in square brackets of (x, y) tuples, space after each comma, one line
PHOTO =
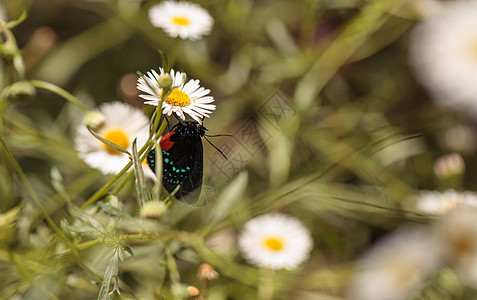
[(182, 154), (193, 181)]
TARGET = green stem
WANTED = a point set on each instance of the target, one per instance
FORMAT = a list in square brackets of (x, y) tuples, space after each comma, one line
[(158, 112), (17, 58), (60, 92), (122, 182), (103, 190), (266, 287), (172, 267)]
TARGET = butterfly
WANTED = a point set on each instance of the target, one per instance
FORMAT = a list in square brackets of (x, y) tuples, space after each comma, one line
[(182, 159)]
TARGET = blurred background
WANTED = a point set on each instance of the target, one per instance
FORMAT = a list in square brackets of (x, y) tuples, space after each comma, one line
[(328, 119)]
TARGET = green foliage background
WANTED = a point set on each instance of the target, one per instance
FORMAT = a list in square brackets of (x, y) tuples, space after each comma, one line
[(360, 136)]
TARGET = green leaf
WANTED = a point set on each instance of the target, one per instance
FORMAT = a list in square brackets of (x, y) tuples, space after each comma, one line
[(137, 164), (99, 227), (58, 184), (111, 270), (114, 211), (110, 144), (141, 188), (128, 250), (228, 198)]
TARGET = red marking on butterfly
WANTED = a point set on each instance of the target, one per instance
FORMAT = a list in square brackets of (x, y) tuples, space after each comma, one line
[(165, 142)]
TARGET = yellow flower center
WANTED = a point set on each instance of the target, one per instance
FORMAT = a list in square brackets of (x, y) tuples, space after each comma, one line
[(181, 21), (274, 243), (117, 136), (178, 98)]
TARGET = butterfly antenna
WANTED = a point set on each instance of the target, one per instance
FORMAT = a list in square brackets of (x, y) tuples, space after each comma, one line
[(217, 135), (178, 119), (168, 123), (220, 151)]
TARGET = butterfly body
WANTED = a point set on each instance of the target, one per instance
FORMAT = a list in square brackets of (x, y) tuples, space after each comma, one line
[(182, 158)]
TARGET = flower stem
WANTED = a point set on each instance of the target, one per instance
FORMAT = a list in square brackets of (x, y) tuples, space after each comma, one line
[(60, 92), (17, 58)]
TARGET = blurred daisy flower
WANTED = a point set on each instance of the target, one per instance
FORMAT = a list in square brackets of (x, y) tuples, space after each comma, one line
[(119, 123), (458, 231), (434, 202), (186, 98), (397, 266), (181, 19), (275, 241), (427, 7), (444, 55)]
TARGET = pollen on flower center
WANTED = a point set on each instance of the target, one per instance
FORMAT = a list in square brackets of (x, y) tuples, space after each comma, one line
[(178, 98), (181, 21), (117, 136), (273, 243)]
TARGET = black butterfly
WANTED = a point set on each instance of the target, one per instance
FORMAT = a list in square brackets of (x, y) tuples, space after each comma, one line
[(182, 155)]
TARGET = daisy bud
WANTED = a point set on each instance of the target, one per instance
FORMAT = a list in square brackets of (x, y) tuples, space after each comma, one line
[(207, 272), (42, 39), (8, 51), (179, 291), (193, 291), (153, 210), (449, 165), (95, 120), (164, 80)]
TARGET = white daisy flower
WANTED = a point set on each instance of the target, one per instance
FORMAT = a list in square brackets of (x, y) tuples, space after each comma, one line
[(120, 125), (189, 98), (438, 203), (181, 19), (444, 55), (275, 241), (397, 266)]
